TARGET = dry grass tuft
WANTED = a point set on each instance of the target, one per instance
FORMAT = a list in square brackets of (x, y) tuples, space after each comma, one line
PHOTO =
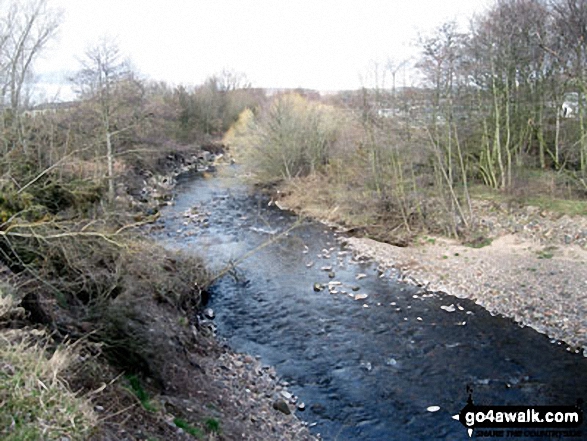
[(36, 402)]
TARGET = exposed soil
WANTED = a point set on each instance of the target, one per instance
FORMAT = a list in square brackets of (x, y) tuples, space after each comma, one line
[(197, 380), (186, 376)]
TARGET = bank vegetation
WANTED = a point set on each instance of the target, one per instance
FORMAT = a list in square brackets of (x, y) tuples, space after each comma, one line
[(499, 114), (89, 308)]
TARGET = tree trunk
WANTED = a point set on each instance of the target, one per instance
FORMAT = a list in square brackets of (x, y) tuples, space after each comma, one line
[(110, 160)]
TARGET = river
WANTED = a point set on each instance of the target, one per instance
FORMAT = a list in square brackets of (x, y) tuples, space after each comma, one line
[(367, 369)]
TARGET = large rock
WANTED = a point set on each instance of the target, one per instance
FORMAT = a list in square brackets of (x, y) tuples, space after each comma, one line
[(281, 406)]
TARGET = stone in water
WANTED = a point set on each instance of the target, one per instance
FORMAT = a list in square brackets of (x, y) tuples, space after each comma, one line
[(450, 308)]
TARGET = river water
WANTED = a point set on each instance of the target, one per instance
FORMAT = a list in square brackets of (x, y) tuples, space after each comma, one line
[(366, 369)]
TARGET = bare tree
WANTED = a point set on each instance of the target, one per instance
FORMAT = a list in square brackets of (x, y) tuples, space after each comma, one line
[(109, 84), (25, 30), (570, 28), (231, 80)]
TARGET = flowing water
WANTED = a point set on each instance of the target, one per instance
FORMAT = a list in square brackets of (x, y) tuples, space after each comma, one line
[(366, 369)]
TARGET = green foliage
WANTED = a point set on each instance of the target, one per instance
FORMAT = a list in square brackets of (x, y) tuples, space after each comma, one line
[(212, 425), (479, 242), (547, 252), (545, 255), (140, 393)]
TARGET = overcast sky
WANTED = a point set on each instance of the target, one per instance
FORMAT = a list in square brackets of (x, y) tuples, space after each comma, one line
[(319, 44)]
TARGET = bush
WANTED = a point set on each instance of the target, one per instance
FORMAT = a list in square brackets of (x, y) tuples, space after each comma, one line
[(291, 137)]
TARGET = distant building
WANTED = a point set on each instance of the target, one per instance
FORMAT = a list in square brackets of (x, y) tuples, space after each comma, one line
[(570, 105), (45, 108)]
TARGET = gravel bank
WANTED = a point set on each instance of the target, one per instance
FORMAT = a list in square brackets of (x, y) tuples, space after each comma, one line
[(516, 276), (534, 271)]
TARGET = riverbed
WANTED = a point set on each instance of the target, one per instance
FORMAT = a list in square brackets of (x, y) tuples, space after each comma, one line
[(369, 356)]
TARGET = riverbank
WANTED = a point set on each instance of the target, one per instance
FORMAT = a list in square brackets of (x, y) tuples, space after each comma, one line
[(529, 264), (122, 326), (201, 389)]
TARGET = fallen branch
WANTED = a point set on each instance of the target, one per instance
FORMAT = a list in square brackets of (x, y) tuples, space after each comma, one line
[(232, 265), (48, 169)]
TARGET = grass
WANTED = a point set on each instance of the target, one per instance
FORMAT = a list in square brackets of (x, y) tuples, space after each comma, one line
[(534, 196), (479, 242), (187, 427), (36, 403), (560, 206), (212, 425), (427, 240), (140, 393), (545, 254)]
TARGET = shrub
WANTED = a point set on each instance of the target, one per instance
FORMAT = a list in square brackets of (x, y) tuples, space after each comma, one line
[(291, 137)]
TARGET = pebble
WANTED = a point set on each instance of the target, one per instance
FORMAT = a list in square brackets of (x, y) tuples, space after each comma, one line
[(450, 308), (366, 365), (391, 362), (491, 278)]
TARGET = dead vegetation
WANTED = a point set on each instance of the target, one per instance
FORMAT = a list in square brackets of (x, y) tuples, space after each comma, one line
[(36, 400)]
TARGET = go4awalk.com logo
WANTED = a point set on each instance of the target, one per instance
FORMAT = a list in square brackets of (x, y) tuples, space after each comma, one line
[(522, 421)]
